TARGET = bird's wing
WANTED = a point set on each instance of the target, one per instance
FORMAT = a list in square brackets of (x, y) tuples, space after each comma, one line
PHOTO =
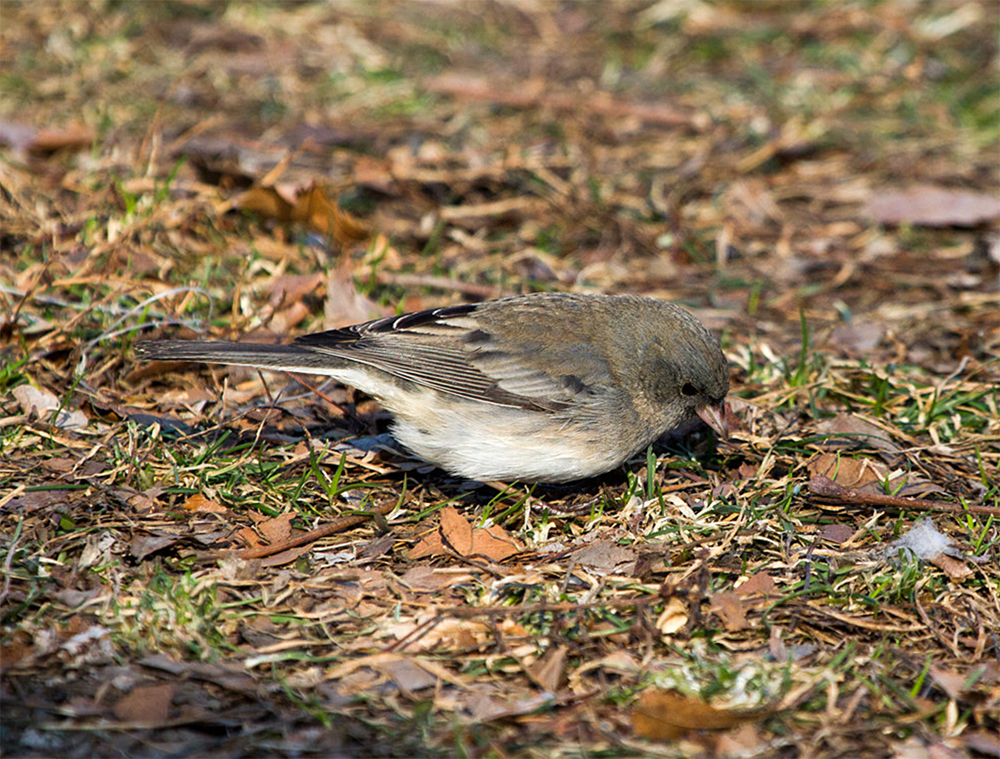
[(450, 351)]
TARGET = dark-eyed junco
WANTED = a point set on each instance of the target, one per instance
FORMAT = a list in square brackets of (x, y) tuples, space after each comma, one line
[(548, 387)]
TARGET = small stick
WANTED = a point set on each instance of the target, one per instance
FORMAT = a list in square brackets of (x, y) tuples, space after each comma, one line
[(826, 489), (340, 524)]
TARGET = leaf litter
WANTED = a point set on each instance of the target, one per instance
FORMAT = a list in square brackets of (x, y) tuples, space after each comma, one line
[(193, 552)]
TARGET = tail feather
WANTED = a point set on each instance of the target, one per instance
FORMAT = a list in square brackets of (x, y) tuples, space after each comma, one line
[(289, 358)]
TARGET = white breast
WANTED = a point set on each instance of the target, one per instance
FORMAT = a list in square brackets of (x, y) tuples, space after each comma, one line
[(483, 441)]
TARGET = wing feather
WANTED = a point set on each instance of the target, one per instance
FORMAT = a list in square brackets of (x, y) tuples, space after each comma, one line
[(446, 350)]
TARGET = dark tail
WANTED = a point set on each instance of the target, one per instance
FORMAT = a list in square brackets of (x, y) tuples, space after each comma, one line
[(290, 358)]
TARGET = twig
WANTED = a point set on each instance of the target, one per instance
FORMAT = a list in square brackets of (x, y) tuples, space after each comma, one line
[(340, 524), (826, 489), (9, 561)]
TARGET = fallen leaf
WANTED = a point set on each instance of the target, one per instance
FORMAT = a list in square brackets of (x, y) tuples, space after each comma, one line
[(285, 557), (857, 337), (422, 577), (729, 606), (495, 543), (449, 634), (836, 533), (248, 536), (277, 529), (430, 545), (406, 675), (456, 532), (761, 582), (456, 535), (932, 206), (743, 741), (854, 431), (665, 715), (41, 403), (548, 671), (308, 205), (954, 568), (145, 704), (288, 288), (144, 545), (673, 618), (199, 502), (607, 557), (230, 677), (74, 136), (951, 683), (344, 305), (862, 474)]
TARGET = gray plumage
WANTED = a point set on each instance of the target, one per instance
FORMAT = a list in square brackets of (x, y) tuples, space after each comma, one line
[(545, 387)]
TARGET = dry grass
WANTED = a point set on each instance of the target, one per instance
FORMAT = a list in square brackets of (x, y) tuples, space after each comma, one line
[(171, 168)]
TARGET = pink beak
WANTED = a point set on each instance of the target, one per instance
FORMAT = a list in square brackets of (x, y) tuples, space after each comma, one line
[(715, 417)]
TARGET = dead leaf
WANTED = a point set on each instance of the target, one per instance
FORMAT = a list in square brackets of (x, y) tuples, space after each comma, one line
[(285, 557), (326, 217), (375, 548), (344, 304), (954, 568), (422, 577), (456, 532), (951, 683), (495, 543), (857, 338), (487, 710), (857, 432), (230, 677), (673, 618), (145, 704), (607, 557), (666, 715), (548, 671), (248, 536), (836, 533), (288, 289), (309, 206), (277, 529), (406, 675), (73, 136), (729, 606), (864, 475), (430, 545), (932, 206), (199, 502), (40, 403), (761, 582), (449, 634), (743, 741), (144, 545)]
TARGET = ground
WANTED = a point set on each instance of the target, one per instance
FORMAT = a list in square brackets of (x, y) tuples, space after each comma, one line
[(817, 182)]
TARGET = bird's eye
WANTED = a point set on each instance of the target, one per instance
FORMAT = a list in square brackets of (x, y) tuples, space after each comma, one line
[(688, 389)]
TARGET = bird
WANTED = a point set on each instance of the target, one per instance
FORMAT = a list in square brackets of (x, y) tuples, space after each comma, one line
[(546, 387)]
